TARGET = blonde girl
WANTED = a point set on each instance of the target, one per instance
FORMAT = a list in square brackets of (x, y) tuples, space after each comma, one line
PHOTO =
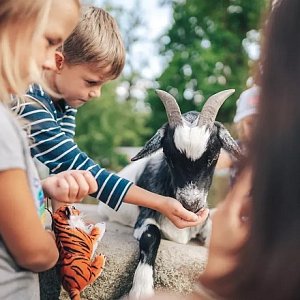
[(28, 38)]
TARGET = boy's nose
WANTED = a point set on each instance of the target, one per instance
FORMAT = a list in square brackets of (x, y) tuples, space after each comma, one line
[(95, 93), (49, 64)]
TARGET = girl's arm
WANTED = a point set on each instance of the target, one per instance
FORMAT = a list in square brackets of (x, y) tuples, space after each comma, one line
[(32, 247)]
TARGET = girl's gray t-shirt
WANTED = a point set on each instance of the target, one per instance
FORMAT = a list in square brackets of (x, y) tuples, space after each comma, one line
[(15, 282)]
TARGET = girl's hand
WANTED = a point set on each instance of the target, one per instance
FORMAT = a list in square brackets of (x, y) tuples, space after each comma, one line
[(70, 186), (181, 217)]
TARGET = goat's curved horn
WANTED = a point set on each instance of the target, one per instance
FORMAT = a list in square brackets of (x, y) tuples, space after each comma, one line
[(172, 108), (211, 107)]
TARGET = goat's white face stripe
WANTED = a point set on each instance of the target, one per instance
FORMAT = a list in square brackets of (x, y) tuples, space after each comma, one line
[(191, 140)]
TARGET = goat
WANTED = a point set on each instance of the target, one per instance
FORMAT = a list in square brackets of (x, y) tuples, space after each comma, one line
[(190, 145)]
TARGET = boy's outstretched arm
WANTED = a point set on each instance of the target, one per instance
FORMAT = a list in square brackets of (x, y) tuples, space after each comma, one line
[(168, 206), (52, 143)]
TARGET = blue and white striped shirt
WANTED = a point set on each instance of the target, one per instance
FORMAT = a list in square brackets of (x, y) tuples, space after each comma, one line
[(52, 130)]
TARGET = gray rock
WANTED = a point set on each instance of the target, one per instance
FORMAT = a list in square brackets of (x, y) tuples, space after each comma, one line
[(177, 266)]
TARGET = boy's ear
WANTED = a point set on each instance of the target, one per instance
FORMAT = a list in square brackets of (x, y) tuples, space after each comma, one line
[(59, 60)]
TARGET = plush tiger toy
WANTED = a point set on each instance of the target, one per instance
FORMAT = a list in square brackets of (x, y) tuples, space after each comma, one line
[(77, 243)]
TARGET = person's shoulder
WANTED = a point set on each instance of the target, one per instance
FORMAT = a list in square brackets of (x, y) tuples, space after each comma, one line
[(10, 127), (6, 116), (37, 95)]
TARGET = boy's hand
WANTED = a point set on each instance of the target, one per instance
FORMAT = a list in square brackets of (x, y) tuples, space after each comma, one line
[(69, 186), (181, 217)]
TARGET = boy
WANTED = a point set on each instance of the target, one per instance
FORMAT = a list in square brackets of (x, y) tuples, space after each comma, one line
[(93, 55)]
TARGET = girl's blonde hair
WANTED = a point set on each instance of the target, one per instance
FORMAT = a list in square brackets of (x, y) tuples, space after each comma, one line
[(96, 41), (31, 17)]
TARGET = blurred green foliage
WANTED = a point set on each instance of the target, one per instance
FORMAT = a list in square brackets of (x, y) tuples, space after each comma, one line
[(105, 124), (206, 54)]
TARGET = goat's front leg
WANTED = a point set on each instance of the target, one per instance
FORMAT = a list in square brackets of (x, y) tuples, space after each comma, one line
[(149, 237)]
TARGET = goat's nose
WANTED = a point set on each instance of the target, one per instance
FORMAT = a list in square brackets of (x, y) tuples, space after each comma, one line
[(187, 206), (194, 207)]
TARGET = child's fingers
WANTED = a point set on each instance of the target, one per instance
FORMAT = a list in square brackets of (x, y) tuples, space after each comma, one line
[(79, 186), (183, 213), (89, 178), (73, 187), (63, 185), (201, 217), (61, 193), (203, 214), (93, 185), (180, 223), (185, 218)]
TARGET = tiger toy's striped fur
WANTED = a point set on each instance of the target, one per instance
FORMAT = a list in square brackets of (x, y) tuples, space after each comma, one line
[(77, 243)]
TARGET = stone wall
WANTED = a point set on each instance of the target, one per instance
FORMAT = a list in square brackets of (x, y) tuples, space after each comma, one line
[(177, 266)]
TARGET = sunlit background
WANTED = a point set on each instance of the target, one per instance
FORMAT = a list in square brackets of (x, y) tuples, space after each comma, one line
[(190, 48)]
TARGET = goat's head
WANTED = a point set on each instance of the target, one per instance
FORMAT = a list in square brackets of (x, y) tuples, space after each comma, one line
[(191, 144)]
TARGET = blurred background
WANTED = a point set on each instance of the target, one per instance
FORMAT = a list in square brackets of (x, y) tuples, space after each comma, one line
[(190, 48)]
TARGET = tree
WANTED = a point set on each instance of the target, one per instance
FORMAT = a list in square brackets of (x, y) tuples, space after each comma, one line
[(134, 29), (105, 124), (206, 53), (117, 119)]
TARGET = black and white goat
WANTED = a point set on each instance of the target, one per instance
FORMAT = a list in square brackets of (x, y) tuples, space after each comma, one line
[(190, 145)]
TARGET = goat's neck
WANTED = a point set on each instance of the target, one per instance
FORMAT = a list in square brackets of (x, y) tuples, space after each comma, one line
[(157, 178)]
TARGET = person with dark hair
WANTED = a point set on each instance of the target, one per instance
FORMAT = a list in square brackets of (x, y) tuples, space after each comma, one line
[(244, 121), (270, 262), (255, 242)]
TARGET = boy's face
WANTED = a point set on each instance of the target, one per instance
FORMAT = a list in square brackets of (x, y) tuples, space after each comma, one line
[(78, 84)]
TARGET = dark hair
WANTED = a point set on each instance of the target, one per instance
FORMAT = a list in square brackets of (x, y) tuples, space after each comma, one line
[(270, 262)]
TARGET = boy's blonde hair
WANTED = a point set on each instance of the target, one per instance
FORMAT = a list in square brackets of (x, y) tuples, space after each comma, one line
[(96, 41), (31, 16)]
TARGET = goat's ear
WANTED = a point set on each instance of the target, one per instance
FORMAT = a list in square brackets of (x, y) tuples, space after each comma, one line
[(228, 143), (152, 145)]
